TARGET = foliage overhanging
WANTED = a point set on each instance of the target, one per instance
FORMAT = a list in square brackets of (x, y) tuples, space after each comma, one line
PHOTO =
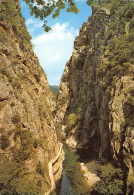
[(43, 8)]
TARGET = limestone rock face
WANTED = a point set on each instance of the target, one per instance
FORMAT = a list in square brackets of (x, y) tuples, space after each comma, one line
[(98, 111), (30, 154)]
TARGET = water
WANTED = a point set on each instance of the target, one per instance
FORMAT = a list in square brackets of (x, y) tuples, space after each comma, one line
[(73, 182), (66, 188)]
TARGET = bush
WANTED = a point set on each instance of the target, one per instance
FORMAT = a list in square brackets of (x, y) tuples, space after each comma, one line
[(26, 146), (16, 118), (2, 35), (40, 169), (73, 118), (4, 71), (111, 182), (42, 113), (5, 143), (41, 142), (118, 44), (16, 83), (22, 155)]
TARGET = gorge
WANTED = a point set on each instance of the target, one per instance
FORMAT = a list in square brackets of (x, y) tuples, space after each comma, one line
[(93, 114)]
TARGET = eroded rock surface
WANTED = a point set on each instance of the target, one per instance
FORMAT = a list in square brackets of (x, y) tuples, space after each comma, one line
[(30, 153), (96, 97)]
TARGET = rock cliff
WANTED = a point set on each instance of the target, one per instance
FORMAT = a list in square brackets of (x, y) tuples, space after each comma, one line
[(30, 154), (95, 105)]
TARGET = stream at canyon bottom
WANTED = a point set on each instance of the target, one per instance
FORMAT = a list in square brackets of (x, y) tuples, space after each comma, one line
[(73, 182)]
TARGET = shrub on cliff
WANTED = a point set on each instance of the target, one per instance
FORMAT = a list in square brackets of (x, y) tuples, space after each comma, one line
[(16, 118), (73, 119), (5, 143), (111, 182), (119, 51)]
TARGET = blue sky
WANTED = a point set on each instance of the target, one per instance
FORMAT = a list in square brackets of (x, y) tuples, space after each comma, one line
[(55, 47)]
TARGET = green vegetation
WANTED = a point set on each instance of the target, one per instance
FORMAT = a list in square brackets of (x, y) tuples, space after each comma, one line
[(92, 2), (43, 9), (119, 47), (5, 143), (4, 71), (41, 142), (73, 119), (40, 9), (21, 76), (42, 113), (2, 35), (111, 180), (28, 144), (26, 147), (16, 83), (10, 17), (10, 6), (73, 171), (55, 89), (15, 179), (53, 193), (16, 118)]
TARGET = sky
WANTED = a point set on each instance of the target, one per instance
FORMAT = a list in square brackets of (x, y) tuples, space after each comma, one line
[(55, 48)]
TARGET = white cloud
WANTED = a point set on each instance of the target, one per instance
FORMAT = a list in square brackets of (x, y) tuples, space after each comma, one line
[(33, 25), (54, 49)]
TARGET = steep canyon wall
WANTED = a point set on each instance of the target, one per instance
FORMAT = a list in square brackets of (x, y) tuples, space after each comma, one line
[(95, 105), (30, 153)]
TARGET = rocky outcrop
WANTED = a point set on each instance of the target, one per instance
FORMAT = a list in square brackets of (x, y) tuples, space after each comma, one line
[(96, 97), (30, 153)]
